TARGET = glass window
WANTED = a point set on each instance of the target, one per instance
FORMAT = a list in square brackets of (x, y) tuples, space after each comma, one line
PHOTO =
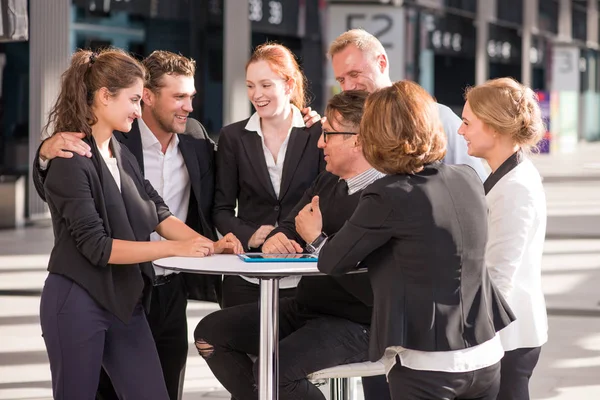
[(548, 16), (579, 18), (510, 11), (466, 5)]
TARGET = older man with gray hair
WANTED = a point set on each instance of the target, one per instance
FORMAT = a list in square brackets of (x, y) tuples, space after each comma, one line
[(360, 63)]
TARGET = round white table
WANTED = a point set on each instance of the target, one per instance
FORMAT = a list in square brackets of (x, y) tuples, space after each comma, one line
[(269, 274)]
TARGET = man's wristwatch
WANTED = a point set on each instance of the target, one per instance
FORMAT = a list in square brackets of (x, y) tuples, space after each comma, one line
[(313, 247)]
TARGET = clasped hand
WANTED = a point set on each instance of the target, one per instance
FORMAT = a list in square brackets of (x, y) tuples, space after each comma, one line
[(202, 247)]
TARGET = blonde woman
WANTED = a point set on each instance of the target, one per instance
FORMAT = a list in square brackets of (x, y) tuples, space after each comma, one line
[(502, 123)]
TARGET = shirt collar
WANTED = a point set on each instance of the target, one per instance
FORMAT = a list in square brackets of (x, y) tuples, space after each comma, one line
[(507, 166), (148, 138), (362, 180), (253, 123)]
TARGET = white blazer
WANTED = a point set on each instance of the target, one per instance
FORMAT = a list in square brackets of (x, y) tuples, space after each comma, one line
[(517, 229)]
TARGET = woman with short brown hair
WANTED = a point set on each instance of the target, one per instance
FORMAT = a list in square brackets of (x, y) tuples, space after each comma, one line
[(396, 139), (421, 233)]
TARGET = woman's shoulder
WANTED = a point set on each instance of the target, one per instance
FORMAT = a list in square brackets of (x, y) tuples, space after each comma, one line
[(63, 172), (235, 127), (76, 162), (519, 191), (315, 130), (229, 134), (464, 171), (393, 184), (524, 178)]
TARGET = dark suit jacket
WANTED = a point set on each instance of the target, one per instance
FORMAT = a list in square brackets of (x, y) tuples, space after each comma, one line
[(422, 238), (88, 212), (242, 177), (198, 152)]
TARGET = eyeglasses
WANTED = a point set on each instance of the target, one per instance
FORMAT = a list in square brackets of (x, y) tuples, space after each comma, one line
[(325, 134)]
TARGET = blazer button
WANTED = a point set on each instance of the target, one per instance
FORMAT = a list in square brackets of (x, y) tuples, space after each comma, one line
[(276, 208)]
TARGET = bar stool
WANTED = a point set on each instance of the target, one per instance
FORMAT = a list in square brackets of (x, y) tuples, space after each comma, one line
[(339, 377)]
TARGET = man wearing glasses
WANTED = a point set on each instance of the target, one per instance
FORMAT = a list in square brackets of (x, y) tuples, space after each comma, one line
[(327, 323), (347, 174)]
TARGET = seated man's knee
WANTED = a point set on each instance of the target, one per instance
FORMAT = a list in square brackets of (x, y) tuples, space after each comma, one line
[(207, 327), (206, 350), (203, 338)]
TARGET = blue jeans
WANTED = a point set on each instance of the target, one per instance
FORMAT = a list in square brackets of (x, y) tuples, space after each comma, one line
[(308, 342)]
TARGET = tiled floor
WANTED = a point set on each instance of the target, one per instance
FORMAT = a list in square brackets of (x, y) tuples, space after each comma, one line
[(568, 369)]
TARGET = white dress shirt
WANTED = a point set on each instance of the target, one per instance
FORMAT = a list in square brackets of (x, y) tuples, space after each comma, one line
[(513, 256), (465, 360), (113, 167), (168, 175), (276, 172), (275, 168)]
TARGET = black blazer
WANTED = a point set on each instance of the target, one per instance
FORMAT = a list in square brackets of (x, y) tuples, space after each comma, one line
[(198, 152), (88, 212), (242, 177), (422, 238)]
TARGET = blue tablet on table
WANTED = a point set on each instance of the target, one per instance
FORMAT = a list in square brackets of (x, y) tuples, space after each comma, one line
[(262, 257)]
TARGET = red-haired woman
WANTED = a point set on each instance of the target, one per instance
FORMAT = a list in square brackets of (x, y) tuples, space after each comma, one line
[(265, 163)]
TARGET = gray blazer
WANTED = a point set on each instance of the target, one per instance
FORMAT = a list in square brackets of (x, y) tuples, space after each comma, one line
[(422, 238)]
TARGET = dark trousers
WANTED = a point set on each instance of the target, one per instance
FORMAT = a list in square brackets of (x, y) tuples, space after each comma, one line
[(376, 388), (168, 323), (81, 337), (238, 291), (410, 384), (308, 342), (516, 369)]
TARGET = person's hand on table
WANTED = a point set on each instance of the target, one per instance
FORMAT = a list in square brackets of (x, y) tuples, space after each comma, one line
[(229, 244), (280, 244), (309, 222), (196, 247), (63, 145), (310, 116), (258, 238)]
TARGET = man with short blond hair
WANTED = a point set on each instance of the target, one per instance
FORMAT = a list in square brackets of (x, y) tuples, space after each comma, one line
[(360, 62)]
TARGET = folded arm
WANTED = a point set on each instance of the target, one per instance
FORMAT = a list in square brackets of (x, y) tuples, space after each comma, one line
[(367, 230)]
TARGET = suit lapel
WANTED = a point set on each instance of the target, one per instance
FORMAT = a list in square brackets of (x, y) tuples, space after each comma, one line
[(138, 209), (133, 141), (120, 225), (191, 162), (254, 151), (296, 146), (140, 214)]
